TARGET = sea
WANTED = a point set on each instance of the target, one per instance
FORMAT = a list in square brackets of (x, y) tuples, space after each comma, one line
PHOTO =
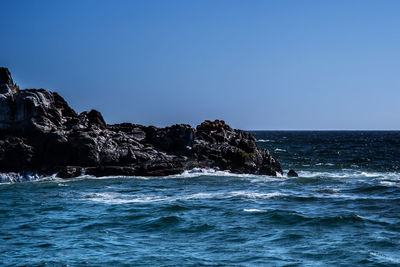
[(342, 210)]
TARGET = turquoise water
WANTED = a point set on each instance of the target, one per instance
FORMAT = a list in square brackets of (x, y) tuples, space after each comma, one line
[(343, 210)]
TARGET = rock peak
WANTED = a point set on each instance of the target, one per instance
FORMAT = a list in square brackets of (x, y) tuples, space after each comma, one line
[(6, 82)]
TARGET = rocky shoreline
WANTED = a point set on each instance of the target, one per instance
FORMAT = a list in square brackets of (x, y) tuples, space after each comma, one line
[(40, 133)]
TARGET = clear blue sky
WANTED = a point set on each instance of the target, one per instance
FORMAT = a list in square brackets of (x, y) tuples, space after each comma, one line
[(255, 64)]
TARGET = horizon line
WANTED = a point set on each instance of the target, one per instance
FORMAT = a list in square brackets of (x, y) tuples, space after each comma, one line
[(325, 130)]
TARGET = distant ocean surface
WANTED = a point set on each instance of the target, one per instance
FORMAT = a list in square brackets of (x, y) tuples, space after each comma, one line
[(343, 210)]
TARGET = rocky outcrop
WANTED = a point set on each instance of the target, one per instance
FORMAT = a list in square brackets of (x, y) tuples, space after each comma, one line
[(292, 173), (40, 133)]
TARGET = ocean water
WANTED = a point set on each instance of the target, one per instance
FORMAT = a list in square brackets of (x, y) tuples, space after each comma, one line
[(343, 210)]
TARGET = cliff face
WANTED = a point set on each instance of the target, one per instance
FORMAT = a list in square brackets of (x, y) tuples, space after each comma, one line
[(40, 133)]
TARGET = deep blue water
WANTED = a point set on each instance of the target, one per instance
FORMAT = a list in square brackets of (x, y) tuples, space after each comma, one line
[(343, 210)]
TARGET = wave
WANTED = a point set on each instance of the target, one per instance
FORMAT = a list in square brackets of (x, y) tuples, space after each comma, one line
[(292, 217), (193, 173), (389, 183), (198, 172), (324, 164), (385, 258), (118, 198), (345, 173), (384, 178), (348, 173), (334, 194), (296, 217), (13, 177), (265, 141), (254, 210)]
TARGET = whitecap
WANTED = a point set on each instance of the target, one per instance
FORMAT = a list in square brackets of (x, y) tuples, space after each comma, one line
[(279, 150), (13, 177), (117, 198), (389, 183), (193, 173), (381, 256), (265, 140), (256, 195), (371, 174), (197, 172), (344, 173), (254, 210), (325, 164), (348, 174)]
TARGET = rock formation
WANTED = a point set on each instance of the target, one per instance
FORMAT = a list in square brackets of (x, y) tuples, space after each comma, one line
[(40, 133), (292, 173)]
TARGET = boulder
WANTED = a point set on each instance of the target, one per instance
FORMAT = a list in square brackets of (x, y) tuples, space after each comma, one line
[(292, 173)]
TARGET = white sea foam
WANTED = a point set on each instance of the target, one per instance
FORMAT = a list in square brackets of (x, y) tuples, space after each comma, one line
[(385, 258), (255, 195), (267, 179), (324, 164), (265, 141), (279, 150), (194, 173), (197, 172), (389, 183), (348, 174), (118, 198), (12, 177), (254, 210), (386, 178)]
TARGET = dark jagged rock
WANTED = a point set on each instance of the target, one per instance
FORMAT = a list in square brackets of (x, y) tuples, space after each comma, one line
[(40, 133), (7, 85), (292, 173)]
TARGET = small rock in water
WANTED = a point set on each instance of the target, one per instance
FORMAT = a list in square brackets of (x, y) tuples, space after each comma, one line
[(292, 173)]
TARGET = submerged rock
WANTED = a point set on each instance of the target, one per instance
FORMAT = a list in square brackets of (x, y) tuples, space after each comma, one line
[(40, 133)]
